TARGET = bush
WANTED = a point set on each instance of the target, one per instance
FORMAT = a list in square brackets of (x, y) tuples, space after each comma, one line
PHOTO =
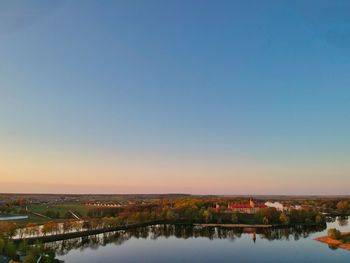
[(52, 214), (30, 259), (320, 219), (284, 219), (334, 233)]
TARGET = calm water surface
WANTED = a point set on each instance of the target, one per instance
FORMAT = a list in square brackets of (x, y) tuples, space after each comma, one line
[(194, 244)]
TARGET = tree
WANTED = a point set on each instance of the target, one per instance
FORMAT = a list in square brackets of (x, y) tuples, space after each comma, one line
[(96, 223), (67, 226), (68, 215), (21, 231), (30, 259), (86, 225), (207, 216), (10, 249), (265, 220), (110, 222), (170, 215), (50, 227), (50, 257), (342, 221), (334, 233), (284, 219), (343, 206), (271, 214), (7, 229), (319, 219), (235, 218), (31, 229), (52, 214), (2, 246), (23, 247), (77, 226)]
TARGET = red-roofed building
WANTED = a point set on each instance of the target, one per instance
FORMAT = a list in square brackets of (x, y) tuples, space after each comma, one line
[(249, 208)]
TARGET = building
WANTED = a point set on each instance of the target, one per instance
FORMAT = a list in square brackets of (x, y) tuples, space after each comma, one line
[(276, 205), (98, 204), (249, 208)]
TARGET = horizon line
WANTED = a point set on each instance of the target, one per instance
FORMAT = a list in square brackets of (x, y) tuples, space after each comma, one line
[(185, 194)]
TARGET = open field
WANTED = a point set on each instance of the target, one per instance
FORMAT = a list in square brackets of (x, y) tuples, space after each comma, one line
[(31, 219), (62, 209)]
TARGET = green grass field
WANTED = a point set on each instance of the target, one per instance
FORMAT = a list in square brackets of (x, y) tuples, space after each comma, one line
[(62, 209), (31, 219)]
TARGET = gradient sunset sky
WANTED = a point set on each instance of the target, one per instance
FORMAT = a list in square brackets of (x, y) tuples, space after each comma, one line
[(202, 97)]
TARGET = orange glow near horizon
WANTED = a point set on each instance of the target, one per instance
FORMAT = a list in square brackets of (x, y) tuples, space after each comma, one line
[(78, 172)]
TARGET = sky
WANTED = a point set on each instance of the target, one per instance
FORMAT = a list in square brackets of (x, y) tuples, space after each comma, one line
[(201, 97)]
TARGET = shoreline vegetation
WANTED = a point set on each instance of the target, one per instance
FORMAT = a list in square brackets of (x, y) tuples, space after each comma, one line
[(34, 247), (234, 225), (343, 241), (85, 233)]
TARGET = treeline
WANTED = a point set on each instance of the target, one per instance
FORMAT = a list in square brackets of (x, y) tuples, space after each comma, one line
[(172, 210), (334, 206), (12, 209), (57, 215), (24, 253), (193, 210)]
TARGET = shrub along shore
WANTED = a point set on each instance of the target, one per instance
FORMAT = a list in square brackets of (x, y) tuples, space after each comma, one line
[(336, 243)]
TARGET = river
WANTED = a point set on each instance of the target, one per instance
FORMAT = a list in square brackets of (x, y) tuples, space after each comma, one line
[(14, 217), (196, 244)]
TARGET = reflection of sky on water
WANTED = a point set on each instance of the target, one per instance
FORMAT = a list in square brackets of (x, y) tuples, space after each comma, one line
[(202, 249)]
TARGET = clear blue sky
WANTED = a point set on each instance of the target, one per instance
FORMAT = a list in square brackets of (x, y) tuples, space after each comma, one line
[(157, 96)]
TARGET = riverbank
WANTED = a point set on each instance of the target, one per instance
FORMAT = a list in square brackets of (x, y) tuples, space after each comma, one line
[(335, 242), (235, 225), (85, 233)]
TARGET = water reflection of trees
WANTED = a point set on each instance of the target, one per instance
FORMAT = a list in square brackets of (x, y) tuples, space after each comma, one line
[(342, 220), (295, 233), (178, 231)]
